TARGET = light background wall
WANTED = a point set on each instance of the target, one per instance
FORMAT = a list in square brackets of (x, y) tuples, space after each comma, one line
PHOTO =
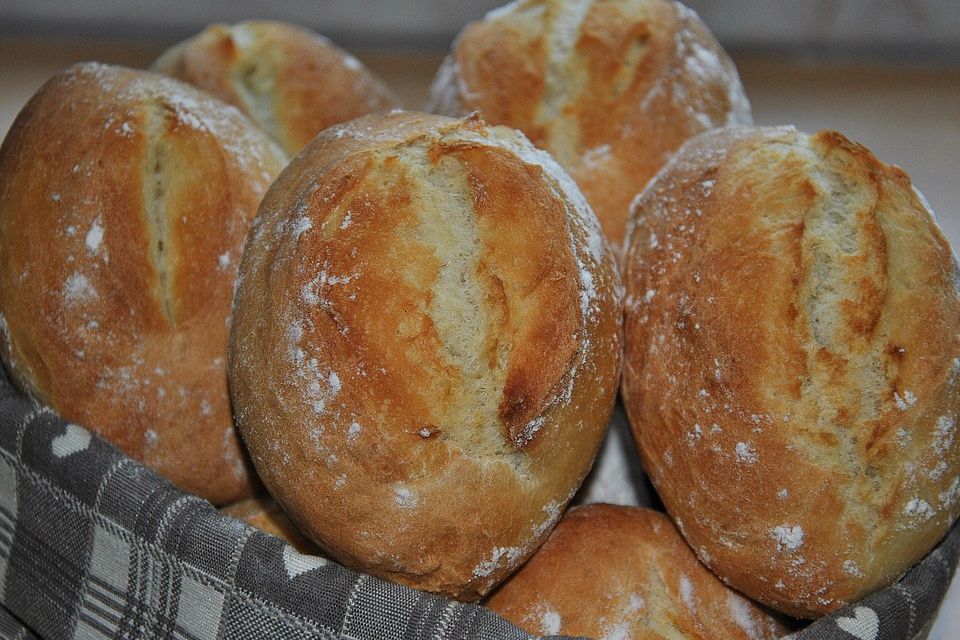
[(930, 25)]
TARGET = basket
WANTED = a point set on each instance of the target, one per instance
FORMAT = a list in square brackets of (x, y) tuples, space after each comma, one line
[(95, 545)]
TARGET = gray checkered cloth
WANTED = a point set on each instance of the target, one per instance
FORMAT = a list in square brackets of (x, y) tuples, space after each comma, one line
[(94, 545)]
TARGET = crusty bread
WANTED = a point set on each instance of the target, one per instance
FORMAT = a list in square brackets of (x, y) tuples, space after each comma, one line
[(289, 80), (425, 347), (265, 514), (618, 572), (610, 88), (125, 198), (792, 362)]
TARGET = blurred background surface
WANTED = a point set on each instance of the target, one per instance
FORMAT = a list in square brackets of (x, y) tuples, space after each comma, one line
[(931, 25), (885, 73)]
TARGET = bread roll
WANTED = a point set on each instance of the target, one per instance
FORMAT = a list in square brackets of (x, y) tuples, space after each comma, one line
[(425, 347), (792, 343), (125, 198), (609, 88), (619, 573), (265, 514), (289, 80)]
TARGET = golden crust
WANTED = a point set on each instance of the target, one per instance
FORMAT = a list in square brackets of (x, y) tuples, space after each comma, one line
[(265, 514), (289, 80), (124, 201), (610, 88), (425, 347), (792, 361), (625, 572)]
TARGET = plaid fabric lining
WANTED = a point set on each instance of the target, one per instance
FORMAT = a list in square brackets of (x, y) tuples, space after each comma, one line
[(95, 546)]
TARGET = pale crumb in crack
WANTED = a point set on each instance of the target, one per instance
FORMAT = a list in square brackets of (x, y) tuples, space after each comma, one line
[(155, 203), (254, 81)]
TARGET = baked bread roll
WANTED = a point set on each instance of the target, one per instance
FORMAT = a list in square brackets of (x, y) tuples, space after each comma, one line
[(265, 514), (609, 88), (425, 347), (792, 360), (125, 198), (624, 572), (289, 80)]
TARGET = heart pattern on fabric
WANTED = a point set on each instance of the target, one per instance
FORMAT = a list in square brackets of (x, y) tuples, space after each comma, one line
[(74, 440), (864, 624), (297, 563)]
